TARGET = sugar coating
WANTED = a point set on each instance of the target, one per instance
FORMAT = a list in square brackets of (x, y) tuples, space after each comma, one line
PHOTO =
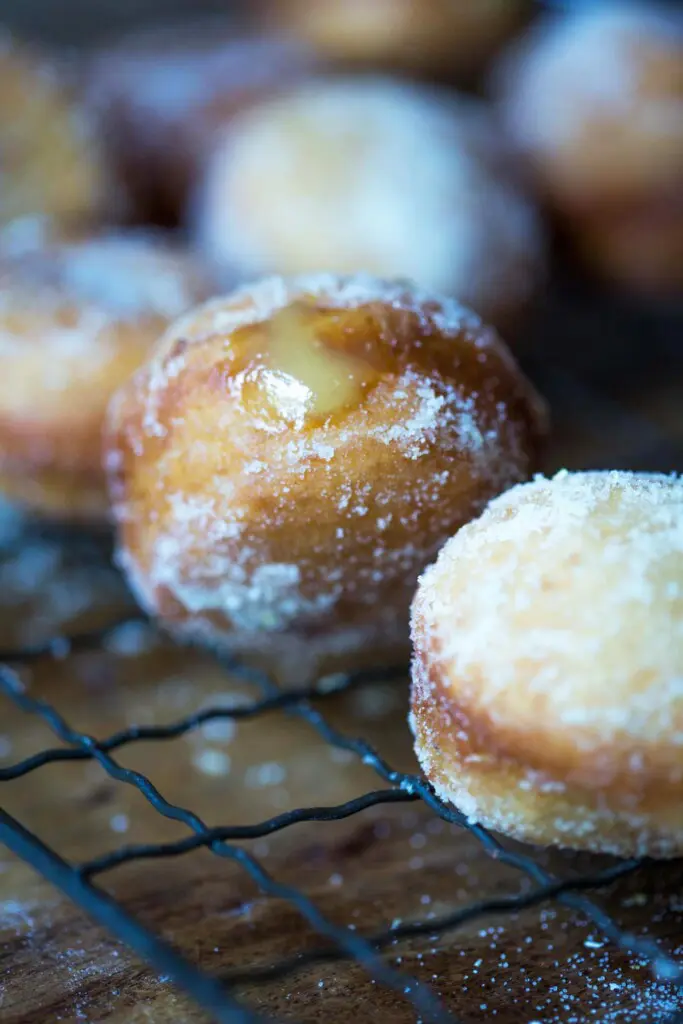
[(68, 309), (127, 274), (77, 317), (257, 302), (554, 627), (596, 68), (377, 175), (309, 536)]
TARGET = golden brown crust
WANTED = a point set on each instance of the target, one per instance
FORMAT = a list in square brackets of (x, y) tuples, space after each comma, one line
[(496, 791), (77, 318), (515, 756), (242, 517)]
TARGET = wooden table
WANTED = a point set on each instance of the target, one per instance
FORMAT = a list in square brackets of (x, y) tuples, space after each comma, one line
[(394, 862)]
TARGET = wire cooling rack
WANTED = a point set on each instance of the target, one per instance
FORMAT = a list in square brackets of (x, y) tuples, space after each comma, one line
[(77, 880), (593, 390)]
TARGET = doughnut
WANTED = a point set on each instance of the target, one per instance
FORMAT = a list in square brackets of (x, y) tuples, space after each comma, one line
[(294, 454), (77, 316), (377, 175), (593, 103), (51, 161), (547, 699), (160, 95), (439, 38)]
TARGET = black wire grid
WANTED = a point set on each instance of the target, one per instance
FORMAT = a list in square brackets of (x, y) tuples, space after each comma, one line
[(218, 997), (76, 880)]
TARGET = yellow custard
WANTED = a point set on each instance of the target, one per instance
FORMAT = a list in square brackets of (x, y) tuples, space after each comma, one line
[(301, 376)]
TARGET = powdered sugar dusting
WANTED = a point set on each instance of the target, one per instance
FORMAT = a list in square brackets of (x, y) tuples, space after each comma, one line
[(76, 318), (419, 177), (313, 532), (257, 302), (594, 68), (128, 275), (560, 613)]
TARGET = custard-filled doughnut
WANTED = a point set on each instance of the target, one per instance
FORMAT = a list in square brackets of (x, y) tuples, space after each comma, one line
[(50, 159), (77, 317), (547, 700), (376, 175), (293, 455), (444, 38), (594, 103), (160, 96)]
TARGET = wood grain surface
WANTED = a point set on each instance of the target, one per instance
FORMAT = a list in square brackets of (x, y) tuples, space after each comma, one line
[(613, 372), (614, 378)]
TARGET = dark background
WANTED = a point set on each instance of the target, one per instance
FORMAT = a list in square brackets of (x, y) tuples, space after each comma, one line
[(69, 22)]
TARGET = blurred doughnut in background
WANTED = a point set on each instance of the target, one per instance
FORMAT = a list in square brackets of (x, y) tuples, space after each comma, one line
[(594, 103), (50, 159), (371, 173), (78, 315), (158, 96), (442, 39)]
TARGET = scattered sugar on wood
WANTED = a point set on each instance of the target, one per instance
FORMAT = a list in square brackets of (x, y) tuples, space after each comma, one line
[(212, 762)]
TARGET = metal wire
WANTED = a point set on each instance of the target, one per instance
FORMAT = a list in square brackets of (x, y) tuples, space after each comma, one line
[(207, 992), (78, 881)]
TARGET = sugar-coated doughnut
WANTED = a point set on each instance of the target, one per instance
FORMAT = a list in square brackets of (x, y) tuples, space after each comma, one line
[(160, 95), (293, 455), (438, 38), (548, 669), (77, 317), (594, 103), (51, 161), (594, 100), (377, 175)]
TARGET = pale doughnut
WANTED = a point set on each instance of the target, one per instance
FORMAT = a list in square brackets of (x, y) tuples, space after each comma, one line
[(377, 175), (594, 101), (77, 317), (594, 104), (548, 670), (294, 454)]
